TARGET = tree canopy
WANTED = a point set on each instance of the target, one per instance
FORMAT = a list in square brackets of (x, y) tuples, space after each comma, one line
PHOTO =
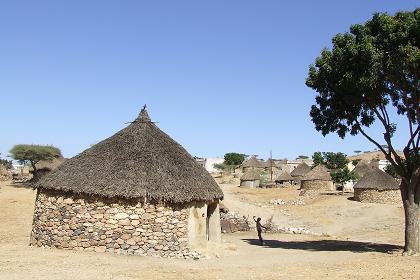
[(234, 158), (370, 70), (34, 153)]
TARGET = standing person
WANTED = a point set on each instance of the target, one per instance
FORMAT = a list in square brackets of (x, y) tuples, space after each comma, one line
[(259, 229)]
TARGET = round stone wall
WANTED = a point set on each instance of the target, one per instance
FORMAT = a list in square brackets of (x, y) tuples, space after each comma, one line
[(376, 196), (67, 221), (250, 184), (318, 185)]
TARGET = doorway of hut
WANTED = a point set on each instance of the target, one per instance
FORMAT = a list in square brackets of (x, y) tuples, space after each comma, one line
[(212, 222)]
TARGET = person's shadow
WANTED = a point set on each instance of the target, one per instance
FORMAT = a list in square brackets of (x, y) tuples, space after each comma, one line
[(328, 245)]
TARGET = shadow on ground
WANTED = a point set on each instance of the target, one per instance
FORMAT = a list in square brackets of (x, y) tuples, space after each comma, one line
[(23, 185), (328, 245)]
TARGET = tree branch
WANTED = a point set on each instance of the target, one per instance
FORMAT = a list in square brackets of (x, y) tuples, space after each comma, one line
[(387, 138)]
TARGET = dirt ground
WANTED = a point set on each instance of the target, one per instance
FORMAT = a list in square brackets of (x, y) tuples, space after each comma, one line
[(364, 242)]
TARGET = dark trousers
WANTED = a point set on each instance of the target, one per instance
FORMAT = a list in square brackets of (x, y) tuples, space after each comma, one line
[(260, 237)]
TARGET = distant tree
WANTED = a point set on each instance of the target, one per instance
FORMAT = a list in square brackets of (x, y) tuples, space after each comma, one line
[(32, 154), (302, 157), (357, 152), (234, 159), (318, 158), (370, 70), (220, 166), (6, 163), (343, 175), (335, 161)]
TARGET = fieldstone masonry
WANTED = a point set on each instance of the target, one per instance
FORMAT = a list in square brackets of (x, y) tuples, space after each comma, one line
[(99, 224), (377, 196)]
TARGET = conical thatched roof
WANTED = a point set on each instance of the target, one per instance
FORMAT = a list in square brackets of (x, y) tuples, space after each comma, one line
[(270, 163), (319, 172), (251, 175), (253, 162), (363, 167), (284, 176), (140, 161), (377, 179), (300, 170)]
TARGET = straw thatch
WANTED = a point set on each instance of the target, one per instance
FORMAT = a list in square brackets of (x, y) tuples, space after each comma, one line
[(284, 176), (270, 163), (363, 167), (251, 175), (140, 161), (319, 172), (300, 170), (253, 162), (378, 180)]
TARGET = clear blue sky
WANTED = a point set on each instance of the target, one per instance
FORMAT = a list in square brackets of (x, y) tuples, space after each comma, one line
[(218, 76)]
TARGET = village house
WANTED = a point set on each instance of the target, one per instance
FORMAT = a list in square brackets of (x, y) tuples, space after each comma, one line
[(137, 192)]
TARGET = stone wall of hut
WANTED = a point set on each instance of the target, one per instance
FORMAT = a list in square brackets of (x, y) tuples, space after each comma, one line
[(377, 196), (250, 184), (318, 185), (109, 225)]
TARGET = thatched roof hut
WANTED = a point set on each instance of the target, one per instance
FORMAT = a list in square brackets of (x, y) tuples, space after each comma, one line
[(134, 176), (378, 187), (300, 170), (251, 179), (252, 163), (284, 177), (319, 172), (317, 179), (363, 167), (140, 161), (270, 163)]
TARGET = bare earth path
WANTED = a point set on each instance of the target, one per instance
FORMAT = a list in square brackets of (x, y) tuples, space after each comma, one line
[(284, 256)]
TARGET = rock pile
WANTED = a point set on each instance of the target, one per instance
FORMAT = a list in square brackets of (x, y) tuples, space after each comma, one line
[(233, 222), (279, 201)]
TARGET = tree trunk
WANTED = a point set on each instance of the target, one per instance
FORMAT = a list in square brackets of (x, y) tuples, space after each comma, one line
[(411, 213)]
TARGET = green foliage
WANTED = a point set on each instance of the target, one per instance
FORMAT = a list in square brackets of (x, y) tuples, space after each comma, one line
[(331, 160), (318, 158), (343, 175), (391, 171), (355, 161), (34, 153), (335, 160), (303, 157), (234, 158), (370, 69), (6, 163), (337, 163), (220, 166)]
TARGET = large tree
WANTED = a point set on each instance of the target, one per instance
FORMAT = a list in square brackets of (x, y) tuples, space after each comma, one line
[(234, 158), (34, 154), (371, 70)]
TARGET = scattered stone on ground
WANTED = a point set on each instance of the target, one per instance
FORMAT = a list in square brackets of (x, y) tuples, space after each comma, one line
[(233, 222)]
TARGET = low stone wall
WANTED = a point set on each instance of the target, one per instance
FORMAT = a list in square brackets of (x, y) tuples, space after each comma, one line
[(317, 185), (109, 225), (376, 196)]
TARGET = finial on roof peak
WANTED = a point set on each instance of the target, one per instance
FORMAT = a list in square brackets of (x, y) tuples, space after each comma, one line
[(144, 116)]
